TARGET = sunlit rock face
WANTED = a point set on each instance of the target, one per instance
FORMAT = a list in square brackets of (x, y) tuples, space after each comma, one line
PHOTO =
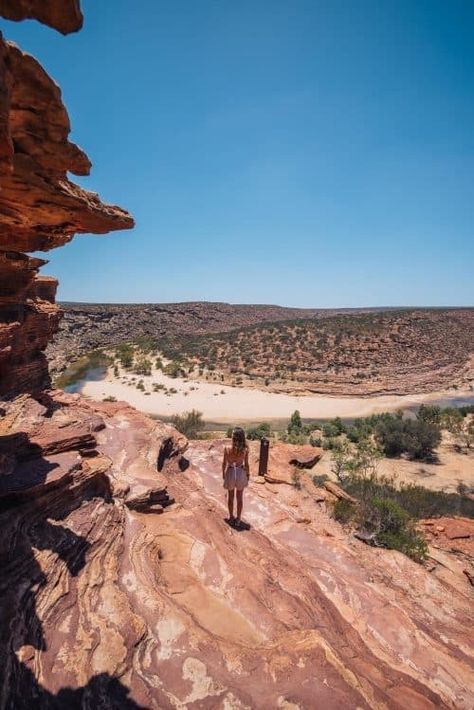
[(40, 208), (121, 584)]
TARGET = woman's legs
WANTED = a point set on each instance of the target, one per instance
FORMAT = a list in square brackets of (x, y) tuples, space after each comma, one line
[(230, 502), (240, 500)]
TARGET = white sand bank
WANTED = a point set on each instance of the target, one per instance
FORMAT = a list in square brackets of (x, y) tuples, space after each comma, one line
[(240, 404)]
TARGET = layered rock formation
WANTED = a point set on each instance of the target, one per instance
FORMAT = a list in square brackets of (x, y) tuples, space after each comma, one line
[(114, 607), (62, 15), (122, 586), (40, 208)]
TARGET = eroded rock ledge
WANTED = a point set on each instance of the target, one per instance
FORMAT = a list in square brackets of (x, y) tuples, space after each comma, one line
[(111, 605), (62, 15), (40, 208), (104, 603)]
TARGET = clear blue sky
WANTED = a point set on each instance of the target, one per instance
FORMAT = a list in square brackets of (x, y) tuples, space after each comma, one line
[(300, 152)]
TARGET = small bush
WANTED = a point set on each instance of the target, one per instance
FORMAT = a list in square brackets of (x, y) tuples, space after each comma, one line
[(174, 369), (330, 431), (124, 353), (296, 479), (142, 367), (295, 424), (262, 431), (417, 438), (430, 414), (408, 541), (320, 479), (188, 423), (328, 444), (343, 511)]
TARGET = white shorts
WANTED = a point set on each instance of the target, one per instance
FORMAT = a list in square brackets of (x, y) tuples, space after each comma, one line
[(235, 477)]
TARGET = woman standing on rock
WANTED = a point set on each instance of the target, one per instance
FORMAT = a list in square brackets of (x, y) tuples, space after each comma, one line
[(236, 474)]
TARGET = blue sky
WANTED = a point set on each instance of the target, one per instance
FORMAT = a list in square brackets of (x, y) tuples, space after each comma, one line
[(300, 152)]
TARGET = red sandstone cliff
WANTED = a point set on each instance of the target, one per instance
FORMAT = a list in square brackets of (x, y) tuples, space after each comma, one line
[(104, 603), (40, 208)]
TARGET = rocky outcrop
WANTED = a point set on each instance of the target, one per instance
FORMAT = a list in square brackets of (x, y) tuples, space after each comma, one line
[(62, 15), (40, 208), (113, 606), (106, 602)]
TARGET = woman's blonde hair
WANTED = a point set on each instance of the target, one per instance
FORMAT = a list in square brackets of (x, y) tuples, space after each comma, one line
[(239, 443)]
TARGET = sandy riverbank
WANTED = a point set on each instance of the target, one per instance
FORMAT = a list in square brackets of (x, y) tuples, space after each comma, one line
[(221, 403)]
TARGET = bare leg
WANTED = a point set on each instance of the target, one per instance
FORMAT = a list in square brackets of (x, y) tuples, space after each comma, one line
[(230, 503), (240, 500)]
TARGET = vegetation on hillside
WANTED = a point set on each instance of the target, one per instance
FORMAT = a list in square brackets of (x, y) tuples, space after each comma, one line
[(386, 512), (399, 351), (80, 368)]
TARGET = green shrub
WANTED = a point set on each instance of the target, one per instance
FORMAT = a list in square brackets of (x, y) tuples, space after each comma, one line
[(146, 344), (390, 525), (188, 423), (408, 541), (174, 369), (359, 431), (124, 353), (320, 479), (330, 430), (295, 424), (142, 367), (262, 431), (417, 501), (294, 437), (343, 511), (429, 413), (328, 444), (390, 436), (418, 438)]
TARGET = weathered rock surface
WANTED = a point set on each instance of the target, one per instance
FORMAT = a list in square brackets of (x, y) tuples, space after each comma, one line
[(286, 460), (104, 606), (40, 208), (62, 15)]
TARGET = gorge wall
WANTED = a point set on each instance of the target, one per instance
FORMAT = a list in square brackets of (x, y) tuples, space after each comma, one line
[(40, 208), (104, 602)]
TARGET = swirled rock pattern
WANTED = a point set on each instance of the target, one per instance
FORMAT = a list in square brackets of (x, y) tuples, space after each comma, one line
[(122, 585), (111, 606)]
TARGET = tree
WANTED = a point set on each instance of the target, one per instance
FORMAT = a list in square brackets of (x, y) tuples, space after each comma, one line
[(416, 437), (295, 425), (389, 434), (462, 430), (361, 460)]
